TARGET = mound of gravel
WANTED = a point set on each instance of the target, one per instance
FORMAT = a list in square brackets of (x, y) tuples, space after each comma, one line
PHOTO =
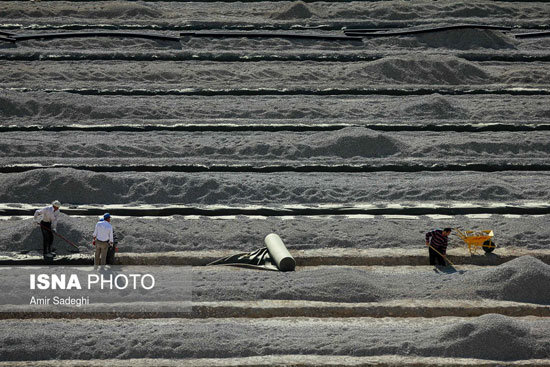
[(225, 338), (524, 279), (353, 142), (19, 235), (432, 70), (434, 106), (467, 39), (125, 10), (45, 106), (105, 10), (26, 235), (295, 10), (345, 143), (490, 336), (330, 284), (10, 108), (274, 189)]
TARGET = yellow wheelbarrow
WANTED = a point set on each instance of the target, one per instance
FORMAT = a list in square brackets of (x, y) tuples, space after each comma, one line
[(477, 239)]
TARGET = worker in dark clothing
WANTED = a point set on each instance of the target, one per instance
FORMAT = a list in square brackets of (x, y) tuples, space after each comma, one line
[(437, 241), (47, 219)]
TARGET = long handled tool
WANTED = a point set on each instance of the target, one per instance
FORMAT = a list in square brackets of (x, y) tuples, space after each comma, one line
[(443, 256), (60, 236)]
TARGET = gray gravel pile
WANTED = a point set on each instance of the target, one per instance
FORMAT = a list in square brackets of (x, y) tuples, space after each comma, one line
[(25, 235), (330, 284), (85, 187), (226, 338), (458, 40), (493, 337), (434, 70), (348, 146), (39, 108), (435, 105), (242, 233), (525, 279), (468, 39), (353, 142), (294, 10), (373, 14), (431, 72), (351, 284)]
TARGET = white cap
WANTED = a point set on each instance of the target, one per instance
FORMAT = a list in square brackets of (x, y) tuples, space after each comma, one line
[(56, 203)]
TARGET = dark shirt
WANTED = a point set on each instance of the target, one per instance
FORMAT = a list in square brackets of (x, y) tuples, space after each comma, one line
[(438, 241)]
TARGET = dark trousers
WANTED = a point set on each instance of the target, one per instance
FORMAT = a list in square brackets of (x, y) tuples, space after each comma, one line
[(435, 258), (47, 236)]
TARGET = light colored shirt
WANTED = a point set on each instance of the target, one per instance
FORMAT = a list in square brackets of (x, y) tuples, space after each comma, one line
[(48, 215), (104, 231)]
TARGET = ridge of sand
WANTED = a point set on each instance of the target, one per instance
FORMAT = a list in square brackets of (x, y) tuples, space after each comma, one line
[(285, 360), (59, 109), (259, 189), (353, 284), (517, 338)]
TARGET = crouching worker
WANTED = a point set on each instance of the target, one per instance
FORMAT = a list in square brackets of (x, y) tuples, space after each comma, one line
[(103, 238), (437, 241)]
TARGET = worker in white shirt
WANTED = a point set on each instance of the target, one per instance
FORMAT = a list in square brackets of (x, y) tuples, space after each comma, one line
[(103, 238), (47, 218)]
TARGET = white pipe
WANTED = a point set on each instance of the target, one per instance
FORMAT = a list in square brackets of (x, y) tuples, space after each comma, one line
[(279, 253)]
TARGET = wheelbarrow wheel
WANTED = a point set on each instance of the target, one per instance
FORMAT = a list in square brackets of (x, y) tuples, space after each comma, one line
[(489, 246)]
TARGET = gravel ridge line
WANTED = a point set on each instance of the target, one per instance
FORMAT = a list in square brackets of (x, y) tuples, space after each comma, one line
[(408, 308), (285, 360)]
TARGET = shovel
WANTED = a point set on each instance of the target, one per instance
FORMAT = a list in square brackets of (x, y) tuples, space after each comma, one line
[(74, 251), (446, 259)]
